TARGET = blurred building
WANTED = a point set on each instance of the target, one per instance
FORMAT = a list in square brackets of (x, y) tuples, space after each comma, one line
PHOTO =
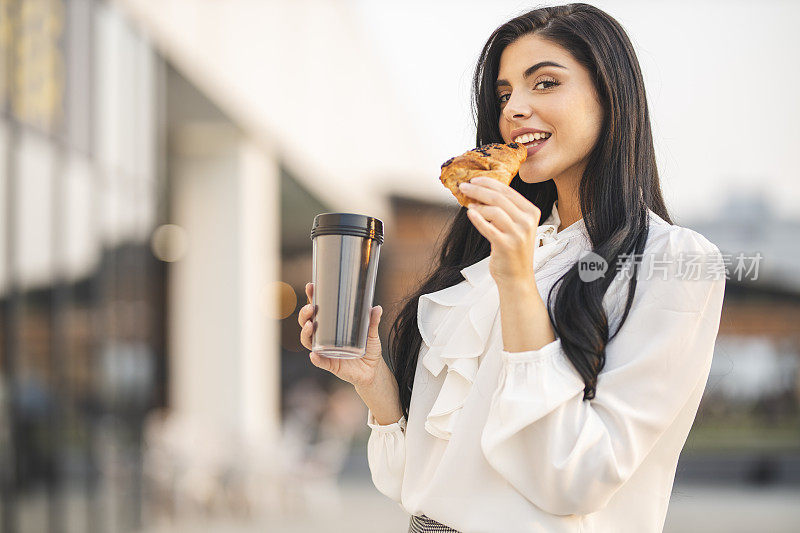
[(748, 424), (82, 297), (139, 264), (155, 243)]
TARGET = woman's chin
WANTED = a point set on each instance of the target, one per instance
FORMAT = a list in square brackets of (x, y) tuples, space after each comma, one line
[(529, 174)]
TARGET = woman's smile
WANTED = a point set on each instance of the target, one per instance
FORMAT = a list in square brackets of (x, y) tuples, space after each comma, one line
[(532, 138), (535, 146)]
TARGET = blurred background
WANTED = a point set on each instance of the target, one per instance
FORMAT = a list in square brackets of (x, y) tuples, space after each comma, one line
[(161, 162)]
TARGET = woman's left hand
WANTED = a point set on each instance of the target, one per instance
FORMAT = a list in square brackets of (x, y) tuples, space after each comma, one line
[(509, 221)]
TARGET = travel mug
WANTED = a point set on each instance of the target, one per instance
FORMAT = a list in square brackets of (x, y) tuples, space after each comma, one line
[(346, 248)]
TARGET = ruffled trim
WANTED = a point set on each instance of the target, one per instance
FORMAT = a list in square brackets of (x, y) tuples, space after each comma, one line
[(455, 324)]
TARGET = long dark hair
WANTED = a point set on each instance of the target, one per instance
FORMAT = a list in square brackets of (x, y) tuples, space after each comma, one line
[(617, 188)]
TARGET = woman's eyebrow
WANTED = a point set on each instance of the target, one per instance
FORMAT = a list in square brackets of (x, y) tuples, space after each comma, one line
[(531, 70)]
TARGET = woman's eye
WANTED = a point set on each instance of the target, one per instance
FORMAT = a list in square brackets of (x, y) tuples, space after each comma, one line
[(548, 82)]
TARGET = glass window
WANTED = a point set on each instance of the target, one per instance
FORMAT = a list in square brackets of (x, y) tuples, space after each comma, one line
[(107, 87), (34, 182), (81, 246), (78, 70), (38, 77)]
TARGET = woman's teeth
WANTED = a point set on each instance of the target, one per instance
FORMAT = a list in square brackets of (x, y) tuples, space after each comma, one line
[(528, 137)]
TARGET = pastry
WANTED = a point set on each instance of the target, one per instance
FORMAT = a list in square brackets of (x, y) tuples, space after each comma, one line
[(496, 160)]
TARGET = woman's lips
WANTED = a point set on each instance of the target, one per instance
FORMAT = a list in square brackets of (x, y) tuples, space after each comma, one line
[(533, 149)]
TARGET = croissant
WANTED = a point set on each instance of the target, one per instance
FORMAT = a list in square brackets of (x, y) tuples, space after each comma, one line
[(498, 161)]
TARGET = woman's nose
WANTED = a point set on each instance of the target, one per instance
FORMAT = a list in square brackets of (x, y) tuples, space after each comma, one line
[(515, 108)]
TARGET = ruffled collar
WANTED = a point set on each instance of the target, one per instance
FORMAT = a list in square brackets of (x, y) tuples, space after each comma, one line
[(455, 324)]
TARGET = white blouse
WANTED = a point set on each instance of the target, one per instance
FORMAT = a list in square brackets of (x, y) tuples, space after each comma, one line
[(504, 442)]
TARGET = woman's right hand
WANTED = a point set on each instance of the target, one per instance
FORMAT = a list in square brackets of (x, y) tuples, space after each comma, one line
[(360, 371)]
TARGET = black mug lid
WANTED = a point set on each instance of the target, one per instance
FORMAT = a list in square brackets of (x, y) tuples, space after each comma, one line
[(348, 224)]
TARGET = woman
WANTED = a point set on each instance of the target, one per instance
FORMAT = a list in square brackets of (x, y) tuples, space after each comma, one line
[(545, 376)]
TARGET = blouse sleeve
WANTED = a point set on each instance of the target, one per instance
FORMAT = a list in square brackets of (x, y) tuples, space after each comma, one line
[(386, 455), (568, 455)]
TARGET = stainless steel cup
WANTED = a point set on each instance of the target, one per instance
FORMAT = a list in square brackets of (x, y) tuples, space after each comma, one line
[(346, 248)]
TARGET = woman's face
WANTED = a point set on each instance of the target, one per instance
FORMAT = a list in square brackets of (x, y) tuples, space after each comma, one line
[(561, 101)]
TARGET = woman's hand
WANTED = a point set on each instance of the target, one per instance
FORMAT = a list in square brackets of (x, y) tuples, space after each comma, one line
[(360, 371), (509, 221)]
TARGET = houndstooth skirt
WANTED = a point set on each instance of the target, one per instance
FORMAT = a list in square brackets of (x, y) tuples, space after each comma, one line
[(422, 524)]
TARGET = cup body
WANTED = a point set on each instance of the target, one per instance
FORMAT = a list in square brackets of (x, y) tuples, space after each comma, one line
[(346, 251)]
